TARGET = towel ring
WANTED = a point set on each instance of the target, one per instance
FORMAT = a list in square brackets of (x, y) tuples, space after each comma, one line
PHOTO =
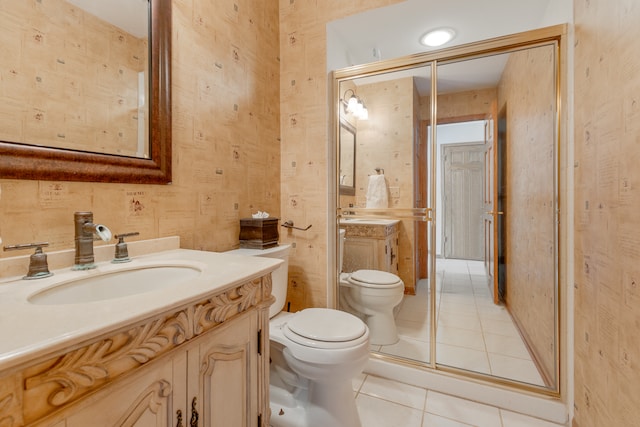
[(380, 171)]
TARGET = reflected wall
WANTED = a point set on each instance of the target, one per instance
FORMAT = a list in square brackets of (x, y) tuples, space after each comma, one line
[(526, 97), (72, 80), (385, 146)]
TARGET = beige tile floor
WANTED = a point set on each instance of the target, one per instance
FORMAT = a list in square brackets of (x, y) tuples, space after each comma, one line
[(385, 403), (472, 332)]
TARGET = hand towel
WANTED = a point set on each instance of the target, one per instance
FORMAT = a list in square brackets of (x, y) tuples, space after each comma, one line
[(377, 192)]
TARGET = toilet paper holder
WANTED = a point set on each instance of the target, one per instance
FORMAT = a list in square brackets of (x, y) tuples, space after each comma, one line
[(289, 224)]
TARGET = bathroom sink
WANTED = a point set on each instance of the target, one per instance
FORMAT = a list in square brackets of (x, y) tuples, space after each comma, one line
[(115, 284)]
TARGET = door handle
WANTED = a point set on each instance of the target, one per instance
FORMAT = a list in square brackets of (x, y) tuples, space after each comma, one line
[(493, 213), (194, 414)]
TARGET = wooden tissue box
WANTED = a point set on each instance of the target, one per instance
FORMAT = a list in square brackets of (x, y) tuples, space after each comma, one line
[(258, 233)]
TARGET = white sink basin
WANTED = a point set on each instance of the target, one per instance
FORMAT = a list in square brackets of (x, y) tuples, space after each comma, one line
[(115, 284)]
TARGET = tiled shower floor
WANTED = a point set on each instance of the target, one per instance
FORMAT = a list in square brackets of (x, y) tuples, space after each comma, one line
[(472, 332)]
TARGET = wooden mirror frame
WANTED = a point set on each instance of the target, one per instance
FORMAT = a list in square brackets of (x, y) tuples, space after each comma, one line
[(22, 161), (349, 190)]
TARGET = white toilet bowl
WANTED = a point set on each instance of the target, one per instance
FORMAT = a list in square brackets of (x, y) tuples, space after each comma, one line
[(315, 353), (325, 349), (372, 295)]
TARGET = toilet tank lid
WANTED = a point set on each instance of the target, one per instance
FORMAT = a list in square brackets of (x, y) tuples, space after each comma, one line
[(276, 251)]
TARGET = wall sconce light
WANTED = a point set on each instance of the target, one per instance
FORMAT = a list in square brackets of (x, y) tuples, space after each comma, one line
[(354, 105)]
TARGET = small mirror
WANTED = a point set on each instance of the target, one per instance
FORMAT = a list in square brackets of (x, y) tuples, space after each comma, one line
[(347, 158)]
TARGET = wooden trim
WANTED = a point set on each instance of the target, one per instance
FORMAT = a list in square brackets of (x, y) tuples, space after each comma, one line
[(421, 233), (460, 119)]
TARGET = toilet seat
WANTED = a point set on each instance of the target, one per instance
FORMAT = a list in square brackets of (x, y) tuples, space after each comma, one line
[(374, 279), (323, 328)]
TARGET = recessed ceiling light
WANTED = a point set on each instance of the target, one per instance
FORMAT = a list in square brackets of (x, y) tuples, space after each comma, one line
[(438, 37)]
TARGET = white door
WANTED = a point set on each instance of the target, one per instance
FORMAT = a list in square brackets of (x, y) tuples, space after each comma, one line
[(491, 209), (463, 177)]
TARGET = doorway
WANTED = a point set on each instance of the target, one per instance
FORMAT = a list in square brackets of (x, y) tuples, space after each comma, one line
[(463, 171), (459, 186)]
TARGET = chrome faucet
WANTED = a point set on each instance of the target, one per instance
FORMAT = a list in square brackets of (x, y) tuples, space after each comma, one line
[(84, 231)]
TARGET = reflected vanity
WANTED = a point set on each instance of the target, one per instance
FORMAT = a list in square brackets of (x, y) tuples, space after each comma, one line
[(69, 112), (497, 190)]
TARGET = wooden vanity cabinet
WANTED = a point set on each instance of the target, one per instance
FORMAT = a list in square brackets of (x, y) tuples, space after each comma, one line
[(207, 361), (370, 246), (223, 372), (146, 398), (214, 380)]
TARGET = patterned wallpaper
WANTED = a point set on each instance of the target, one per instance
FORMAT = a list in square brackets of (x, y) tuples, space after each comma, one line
[(226, 143), (607, 234)]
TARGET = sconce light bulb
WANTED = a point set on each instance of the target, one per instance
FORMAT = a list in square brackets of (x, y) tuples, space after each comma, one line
[(352, 105), (358, 109)]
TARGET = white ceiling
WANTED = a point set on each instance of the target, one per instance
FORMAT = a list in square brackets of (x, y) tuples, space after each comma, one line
[(394, 31), (128, 15)]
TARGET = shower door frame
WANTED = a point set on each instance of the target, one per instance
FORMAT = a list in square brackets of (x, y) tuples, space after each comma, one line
[(546, 36)]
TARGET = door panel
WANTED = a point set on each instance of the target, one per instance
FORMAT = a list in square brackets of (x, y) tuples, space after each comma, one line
[(463, 207), (227, 371)]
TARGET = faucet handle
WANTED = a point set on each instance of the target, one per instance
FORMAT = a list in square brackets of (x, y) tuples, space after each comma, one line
[(122, 253), (38, 266)]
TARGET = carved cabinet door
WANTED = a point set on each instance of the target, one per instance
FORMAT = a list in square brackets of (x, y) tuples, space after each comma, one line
[(144, 399), (223, 375), (211, 382)]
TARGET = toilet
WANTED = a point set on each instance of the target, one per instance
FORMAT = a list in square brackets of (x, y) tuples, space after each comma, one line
[(372, 295), (315, 353)]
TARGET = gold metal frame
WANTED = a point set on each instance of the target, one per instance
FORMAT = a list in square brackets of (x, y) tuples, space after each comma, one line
[(554, 36)]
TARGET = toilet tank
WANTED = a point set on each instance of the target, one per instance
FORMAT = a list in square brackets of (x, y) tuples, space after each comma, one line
[(279, 276)]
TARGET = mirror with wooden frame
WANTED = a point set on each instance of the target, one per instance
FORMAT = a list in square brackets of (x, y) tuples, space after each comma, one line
[(79, 154)]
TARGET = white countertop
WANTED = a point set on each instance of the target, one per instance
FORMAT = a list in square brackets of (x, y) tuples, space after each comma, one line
[(29, 330), (372, 221)]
